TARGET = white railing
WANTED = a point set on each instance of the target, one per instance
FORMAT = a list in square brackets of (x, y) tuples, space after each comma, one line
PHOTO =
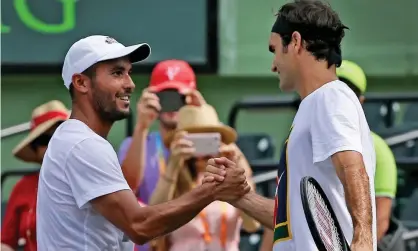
[(16, 129), (404, 137)]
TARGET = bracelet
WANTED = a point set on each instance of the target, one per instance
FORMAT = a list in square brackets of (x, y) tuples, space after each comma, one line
[(170, 180)]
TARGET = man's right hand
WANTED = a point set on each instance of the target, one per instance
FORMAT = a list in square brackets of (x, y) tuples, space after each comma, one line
[(148, 108), (232, 184), (181, 148)]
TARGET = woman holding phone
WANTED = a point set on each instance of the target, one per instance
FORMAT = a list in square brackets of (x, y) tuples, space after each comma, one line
[(200, 136)]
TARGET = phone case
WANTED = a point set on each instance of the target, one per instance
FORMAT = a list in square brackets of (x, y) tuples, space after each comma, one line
[(206, 144)]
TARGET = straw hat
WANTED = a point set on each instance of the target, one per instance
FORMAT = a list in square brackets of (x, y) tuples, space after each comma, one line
[(43, 118), (201, 119)]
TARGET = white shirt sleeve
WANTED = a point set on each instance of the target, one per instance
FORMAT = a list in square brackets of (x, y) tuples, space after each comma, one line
[(335, 125), (93, 170)]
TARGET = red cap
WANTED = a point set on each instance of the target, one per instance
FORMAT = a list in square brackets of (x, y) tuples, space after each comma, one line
[(172, 74)]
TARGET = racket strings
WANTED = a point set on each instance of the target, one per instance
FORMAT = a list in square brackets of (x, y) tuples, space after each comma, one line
[(323, 220)]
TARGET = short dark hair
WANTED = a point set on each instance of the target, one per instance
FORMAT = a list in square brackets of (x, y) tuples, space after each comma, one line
[(352, 86), (89, 72), (319, 25)]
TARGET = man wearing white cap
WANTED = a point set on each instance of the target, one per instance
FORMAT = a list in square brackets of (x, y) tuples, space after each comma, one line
[(84, 201)]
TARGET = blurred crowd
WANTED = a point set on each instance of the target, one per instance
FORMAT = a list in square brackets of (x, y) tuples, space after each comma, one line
[(164, 164)]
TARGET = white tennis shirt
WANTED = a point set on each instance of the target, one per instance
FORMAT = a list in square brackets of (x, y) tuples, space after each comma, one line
[(328, 121), (78, 166)]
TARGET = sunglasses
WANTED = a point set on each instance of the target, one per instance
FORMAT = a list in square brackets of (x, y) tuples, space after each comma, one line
[(41, 140)]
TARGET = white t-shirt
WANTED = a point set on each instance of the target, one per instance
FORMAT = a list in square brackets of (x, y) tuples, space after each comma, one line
[(328, 121), (78, 166)]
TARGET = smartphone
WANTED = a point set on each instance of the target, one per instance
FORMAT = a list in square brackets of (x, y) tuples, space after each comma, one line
[(171, 100), (206, 144)]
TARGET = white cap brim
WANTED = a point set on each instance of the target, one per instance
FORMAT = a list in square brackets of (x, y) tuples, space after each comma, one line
[(136, 53), (93, 49)]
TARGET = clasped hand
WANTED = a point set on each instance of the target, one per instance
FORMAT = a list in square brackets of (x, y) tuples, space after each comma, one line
[(230, 179)]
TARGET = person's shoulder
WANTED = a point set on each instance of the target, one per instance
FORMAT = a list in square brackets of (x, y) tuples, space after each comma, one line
[(71, 132), (380, 144), (126, 143), (336, 89), (152, 136), (72, 125), (27, 181), (336, 95), (377, 138), (75, 137), (126, 140), (91, 151), (93, 143)]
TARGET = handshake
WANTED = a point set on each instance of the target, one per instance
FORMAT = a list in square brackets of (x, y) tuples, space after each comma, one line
[(231, 183)]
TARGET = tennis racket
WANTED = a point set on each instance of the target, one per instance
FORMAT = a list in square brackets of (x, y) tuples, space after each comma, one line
[(322, 222)]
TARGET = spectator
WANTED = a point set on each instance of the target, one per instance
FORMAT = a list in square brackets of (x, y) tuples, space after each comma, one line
[(143, 156), (217, 227), (386, 173), (386, 170), (19, 223)]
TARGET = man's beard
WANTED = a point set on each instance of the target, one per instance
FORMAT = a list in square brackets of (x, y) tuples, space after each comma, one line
[(105, 106), (169, 125)]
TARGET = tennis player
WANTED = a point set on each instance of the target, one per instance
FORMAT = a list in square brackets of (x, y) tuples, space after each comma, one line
[(84, 201), (329, 140)]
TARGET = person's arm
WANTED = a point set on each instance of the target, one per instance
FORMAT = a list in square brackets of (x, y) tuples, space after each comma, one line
[(96, 180), (143, 224), (267, 240), (254, 205), (258, 207), (249, 224), (132, 157), (336, 133), (385, 184), (167, 184), (133, 164), (352, 174), (383, 213)]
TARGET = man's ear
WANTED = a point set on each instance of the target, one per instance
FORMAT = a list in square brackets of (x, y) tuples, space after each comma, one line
[(296, 41), (80, 83)]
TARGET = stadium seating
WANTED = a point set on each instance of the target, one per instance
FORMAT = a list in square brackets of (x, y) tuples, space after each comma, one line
[(408, 210), (399, 142), (407, 192), (411, 113), (250, 242), (259, 149), (375, 114), (256, 146)]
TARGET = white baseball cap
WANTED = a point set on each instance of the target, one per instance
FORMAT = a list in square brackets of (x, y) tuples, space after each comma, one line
[(90, 50)]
